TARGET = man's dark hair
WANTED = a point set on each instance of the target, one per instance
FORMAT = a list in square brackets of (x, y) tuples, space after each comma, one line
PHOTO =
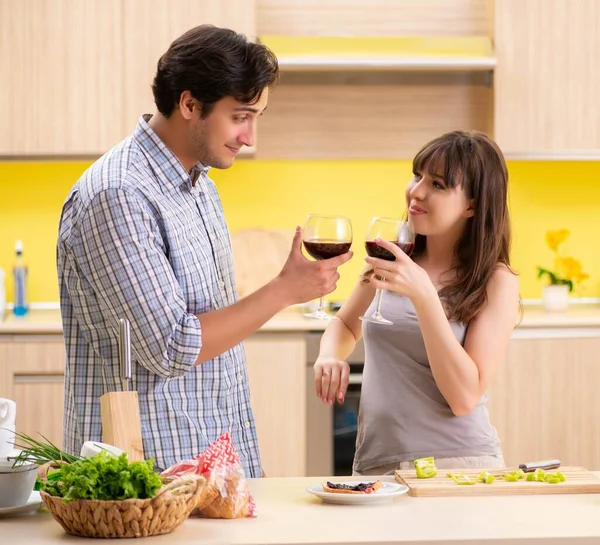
[(212, 63)]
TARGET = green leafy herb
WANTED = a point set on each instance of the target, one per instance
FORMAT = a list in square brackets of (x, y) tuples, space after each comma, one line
[(38, 452), (52, 477), (104, 477)]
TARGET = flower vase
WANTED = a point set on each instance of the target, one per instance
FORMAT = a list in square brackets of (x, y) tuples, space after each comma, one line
[(556, 298)]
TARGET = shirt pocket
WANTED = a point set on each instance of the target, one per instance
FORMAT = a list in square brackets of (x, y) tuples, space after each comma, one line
[(193, 264)]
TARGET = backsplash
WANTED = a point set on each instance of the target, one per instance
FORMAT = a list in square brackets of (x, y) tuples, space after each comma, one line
[(280, 194)]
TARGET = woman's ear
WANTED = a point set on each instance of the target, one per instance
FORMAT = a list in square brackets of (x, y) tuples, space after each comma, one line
[(470, 211)]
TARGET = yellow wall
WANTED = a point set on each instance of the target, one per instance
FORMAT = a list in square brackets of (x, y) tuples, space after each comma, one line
[(550, 195)]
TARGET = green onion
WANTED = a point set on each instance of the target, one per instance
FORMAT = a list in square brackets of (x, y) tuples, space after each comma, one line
[(39, 452)]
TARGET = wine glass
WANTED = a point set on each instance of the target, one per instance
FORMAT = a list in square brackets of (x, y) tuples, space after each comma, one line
[(397, 232), (325, 237)]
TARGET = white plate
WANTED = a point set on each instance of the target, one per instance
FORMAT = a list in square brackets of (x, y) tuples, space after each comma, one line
[(385, 494), (33, 504)]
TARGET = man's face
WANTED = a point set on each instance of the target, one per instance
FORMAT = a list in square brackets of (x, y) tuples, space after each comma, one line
[(218, 138)]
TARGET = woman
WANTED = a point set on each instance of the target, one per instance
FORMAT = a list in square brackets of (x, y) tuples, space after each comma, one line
[(453, 303)]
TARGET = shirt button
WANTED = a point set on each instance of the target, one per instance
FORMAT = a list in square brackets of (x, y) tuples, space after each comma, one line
[(246, 424), (240, 378)]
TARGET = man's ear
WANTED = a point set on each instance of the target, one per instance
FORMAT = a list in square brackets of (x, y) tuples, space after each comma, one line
[(187, 104)]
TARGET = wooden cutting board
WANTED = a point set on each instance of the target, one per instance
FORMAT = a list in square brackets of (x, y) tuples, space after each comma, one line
[(578, 481), (259, 255)]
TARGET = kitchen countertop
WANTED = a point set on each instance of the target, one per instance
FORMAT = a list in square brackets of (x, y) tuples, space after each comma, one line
[(577, 316), (287, 514)]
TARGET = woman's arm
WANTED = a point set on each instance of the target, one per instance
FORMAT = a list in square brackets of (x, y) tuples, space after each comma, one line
[(339, 339), (463, 374)]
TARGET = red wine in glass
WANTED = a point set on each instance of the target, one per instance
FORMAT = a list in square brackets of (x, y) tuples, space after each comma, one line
[(326, 249), (325, 237), (374, 250), (397, 232)]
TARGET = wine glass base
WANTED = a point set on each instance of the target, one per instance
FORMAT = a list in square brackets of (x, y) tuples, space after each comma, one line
[(319, 315), (376, 319)]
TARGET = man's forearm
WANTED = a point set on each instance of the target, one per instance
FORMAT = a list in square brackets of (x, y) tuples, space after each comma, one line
[(224, 328)]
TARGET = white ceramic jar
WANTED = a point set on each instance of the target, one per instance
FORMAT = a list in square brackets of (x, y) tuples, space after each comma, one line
[(556, 298)]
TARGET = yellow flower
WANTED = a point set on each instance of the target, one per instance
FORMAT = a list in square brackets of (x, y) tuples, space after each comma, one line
[(554, 238), (566, 269), (572, 269), (581, 277)]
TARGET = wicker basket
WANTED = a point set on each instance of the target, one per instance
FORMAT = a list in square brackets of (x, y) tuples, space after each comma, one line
[(129, 518)]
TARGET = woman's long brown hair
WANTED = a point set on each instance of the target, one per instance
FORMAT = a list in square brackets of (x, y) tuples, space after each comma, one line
[(474, 162)]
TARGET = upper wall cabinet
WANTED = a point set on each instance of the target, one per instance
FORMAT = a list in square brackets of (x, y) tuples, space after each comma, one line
[(547, 78), (383, 18), (61, 76), (76, 75), (374, 79)]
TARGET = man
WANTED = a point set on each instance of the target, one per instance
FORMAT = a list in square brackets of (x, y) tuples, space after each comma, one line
[(142, 236)]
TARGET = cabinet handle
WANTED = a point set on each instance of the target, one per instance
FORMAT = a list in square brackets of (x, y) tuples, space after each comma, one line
[(355, 378), (26, 379)]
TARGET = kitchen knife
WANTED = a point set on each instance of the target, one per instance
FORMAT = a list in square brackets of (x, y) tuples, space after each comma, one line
[(544, 464), (120, 411)]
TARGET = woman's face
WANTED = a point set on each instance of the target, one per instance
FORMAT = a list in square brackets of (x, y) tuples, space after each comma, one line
[(435, 208)]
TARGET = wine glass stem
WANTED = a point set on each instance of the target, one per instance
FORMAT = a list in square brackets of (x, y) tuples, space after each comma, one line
[(379, 297), (321, 303)]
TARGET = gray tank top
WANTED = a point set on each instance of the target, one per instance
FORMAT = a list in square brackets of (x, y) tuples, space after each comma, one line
[(402, 414)]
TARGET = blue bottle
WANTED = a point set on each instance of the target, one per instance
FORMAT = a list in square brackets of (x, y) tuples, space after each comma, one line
[(20, 305)]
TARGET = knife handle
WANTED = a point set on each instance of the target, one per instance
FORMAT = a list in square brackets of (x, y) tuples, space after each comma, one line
[(544, 464)]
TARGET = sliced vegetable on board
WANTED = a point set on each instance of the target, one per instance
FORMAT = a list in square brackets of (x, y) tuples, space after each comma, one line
[(425, 467)]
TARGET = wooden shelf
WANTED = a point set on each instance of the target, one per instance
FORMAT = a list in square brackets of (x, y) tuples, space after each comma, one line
[(381, 63), (566, 155), (468, 53)]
